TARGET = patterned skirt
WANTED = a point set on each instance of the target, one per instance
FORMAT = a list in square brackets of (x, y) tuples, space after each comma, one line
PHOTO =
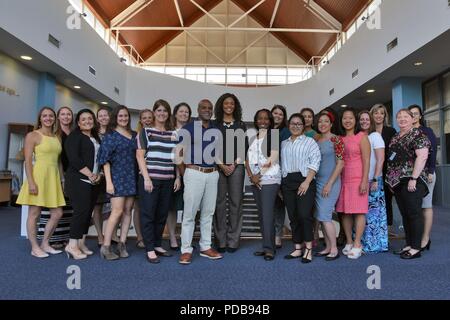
[(375, 237)]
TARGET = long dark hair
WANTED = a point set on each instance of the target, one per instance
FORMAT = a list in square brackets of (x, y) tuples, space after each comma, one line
[(355, 114), (218, 108), (166, 106), (94, 130), (175, 110), (422, 120), (267, 142), (283, 109), (113, 119)]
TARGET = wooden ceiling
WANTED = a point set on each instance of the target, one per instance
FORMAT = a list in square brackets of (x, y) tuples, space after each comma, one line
[(292, 14)]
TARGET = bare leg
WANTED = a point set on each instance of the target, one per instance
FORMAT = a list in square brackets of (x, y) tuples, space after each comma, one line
[(360, 225), (117, 205), (327, 241), (98, 222), (428, 223), (126, 219), (137, 222), (330, 231), (33, 216), (171, 226), (55, 215), (347, 222)]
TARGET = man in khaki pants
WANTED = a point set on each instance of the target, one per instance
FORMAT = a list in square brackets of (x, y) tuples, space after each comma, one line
[(198, 140)]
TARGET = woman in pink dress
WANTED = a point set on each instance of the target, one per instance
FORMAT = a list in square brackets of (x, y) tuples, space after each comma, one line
[(353, 200)]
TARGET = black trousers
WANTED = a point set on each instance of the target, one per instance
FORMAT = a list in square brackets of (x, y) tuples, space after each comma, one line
[(410, 205), (265, 201), (154, 207), (83, 197), (300, 208)]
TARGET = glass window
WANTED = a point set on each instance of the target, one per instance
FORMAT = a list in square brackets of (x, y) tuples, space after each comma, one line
[(100, 29), (432, 121), (431, 93), (215, 75), (351, 30), (446, 86)]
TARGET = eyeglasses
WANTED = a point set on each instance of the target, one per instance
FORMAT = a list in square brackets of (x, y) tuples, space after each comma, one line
[(298, 125)]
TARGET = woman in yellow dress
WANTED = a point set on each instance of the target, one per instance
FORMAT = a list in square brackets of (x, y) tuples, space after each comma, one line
[(42, 188)]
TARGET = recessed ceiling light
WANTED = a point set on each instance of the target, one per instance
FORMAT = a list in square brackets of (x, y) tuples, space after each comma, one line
[(370, 90), (104, 102), (77, 87), (28, 58), (418, 63), (343, 105)]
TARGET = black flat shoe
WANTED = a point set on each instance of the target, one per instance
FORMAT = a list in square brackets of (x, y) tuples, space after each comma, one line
[(259, 253), (269, 256), (231, 250), (290, 256), (278, 246), (319, 254), (175, 248), (155, 260), (221, 250), (163, 254), (331, 258), (407, 255)]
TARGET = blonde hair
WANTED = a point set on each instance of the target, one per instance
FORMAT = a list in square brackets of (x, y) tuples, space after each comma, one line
[(377, 107), (139, 124)]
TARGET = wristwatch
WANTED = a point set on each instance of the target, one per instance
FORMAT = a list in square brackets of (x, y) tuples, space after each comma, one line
[(374, 180), (412, 178)]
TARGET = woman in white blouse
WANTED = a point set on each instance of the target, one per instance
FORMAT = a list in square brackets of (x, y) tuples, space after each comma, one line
[(300, 161), (264, 171)]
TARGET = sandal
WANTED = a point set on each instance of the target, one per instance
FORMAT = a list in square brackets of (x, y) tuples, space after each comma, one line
[(354, 253), (307, 252), (347, 249), (140, 244)]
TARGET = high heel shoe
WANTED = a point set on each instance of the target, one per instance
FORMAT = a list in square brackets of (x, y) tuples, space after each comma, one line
[(74, 255), (86, 251), (305, 259), (40, 256), (427, 246)]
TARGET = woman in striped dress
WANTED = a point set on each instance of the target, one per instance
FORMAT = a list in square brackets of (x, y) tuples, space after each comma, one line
[(158, 178)]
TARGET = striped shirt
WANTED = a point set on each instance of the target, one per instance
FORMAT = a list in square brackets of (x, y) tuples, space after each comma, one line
[(299, 155), (159, 155)]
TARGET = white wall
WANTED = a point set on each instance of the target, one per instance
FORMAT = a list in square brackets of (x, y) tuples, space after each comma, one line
[(67, 97), (20, 108), (32, 21)]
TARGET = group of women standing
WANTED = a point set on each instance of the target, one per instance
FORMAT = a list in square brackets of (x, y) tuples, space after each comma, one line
[(311, 174)]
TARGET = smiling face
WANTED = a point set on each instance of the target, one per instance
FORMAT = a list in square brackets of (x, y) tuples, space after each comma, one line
[(378, 116), (324, 124), (123, 118), (364, 121), (228, 106), (146, 119), (348, 121), (278, 117), (65, 116), (296, 126), (103, 117), (47, 118), (404, 120), (205, 111), (161, 115), (263, 120), (182, 114), (86, 121), (309, 118)]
